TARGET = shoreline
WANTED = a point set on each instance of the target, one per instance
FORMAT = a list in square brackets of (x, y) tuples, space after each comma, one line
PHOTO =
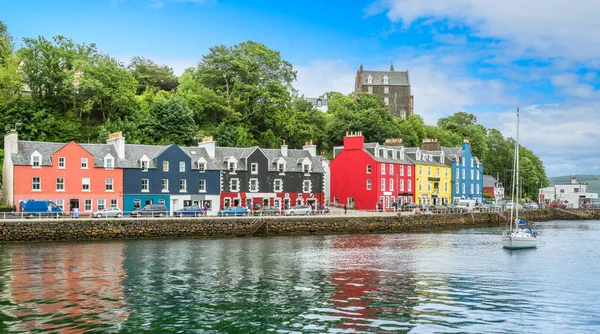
[(124, 228)]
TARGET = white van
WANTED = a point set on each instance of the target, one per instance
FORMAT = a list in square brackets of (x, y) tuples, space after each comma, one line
[(466, 204)]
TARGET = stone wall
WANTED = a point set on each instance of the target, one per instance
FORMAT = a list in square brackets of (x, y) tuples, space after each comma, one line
[(125, 228)]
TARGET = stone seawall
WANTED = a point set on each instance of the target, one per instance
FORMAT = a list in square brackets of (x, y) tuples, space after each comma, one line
[(125, 228)]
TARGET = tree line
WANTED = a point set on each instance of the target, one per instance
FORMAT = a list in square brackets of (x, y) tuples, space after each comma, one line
[(60, 90)]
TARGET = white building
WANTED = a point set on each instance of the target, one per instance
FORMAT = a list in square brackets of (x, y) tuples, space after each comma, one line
[(574, 194), (319, 102)]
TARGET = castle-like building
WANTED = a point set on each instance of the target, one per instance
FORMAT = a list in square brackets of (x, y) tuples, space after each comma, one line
[(393, 87)]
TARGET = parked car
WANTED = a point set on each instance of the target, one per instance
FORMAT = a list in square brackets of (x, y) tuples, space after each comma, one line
[(531, 205), (234, 211), (152, 210), (267, 211), (509, 205), (298, 210), (558, 205), (113, 211), (33, 208), (189, 211)]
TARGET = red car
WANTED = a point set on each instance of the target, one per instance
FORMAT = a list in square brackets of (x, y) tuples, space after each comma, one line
[(557, 205)]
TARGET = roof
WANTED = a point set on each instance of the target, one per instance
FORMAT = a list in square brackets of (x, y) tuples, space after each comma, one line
[(488, 181), (387, 156), (395, 78), (27, 148), (314, 100)]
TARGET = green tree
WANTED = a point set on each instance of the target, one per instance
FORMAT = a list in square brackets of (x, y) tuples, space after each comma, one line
[(413, 131), (149, 75), (11, 82)]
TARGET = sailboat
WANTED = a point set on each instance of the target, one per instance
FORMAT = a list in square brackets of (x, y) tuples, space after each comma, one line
[(518, 236)]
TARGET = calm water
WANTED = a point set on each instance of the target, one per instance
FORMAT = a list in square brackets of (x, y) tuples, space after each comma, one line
[(421, 283)]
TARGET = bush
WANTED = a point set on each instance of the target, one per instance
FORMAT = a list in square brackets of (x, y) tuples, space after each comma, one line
[(6, 208)]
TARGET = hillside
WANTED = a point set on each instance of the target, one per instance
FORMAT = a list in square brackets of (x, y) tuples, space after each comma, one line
[(593, 181)]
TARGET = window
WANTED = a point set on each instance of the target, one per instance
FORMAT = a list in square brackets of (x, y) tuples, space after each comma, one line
[(477, 175), (472, 188), (202, 186), (420, 170), (61, 162), (420, 185), (114, 203), (438, 172), (165, 166), (145, 185), (36, 183), (562, 191), (391, 169), (231, 166), (370, 89), (234, 185), (385, 79), (109, 184), (306, 186), (428, 186), (446, 172), (182, 166), (463, 188), (401, 185), (165, 185), (60, 203), (471, 162), (429, 171), (36, 160), (463, 174), (84, 163), (87, 205), (463, 161), (254, 168), (477, 189), (101, 204), (182, 186), (202, 167), (457, 173), (109, 162), (446, 186), (369, 184), (382, 184), (401, 170), (277, 185), (368, 169), (409, 188), (472, 172), (369, 79), (391, 184), (457, 187), (382, 169), (161, 201), (281, 167), (60, 184), (408, 170), (145, 165), (306, 168), (85, 184), (137, 204), (386, 101), (386, 90), (254, 185)]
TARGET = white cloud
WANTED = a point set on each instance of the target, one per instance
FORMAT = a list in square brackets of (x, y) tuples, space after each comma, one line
[(548, 28), (161, 3), (321, 76)]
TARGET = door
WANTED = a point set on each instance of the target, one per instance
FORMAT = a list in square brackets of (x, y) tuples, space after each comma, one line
[(74, 203)]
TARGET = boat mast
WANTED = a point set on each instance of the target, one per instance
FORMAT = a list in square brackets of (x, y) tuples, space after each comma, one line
[(517, 154), (514, 169)]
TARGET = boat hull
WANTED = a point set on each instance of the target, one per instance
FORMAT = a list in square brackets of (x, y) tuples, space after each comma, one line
[(518, 242)]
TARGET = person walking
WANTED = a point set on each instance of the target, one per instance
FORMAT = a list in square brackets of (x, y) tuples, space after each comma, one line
[(345, 209)]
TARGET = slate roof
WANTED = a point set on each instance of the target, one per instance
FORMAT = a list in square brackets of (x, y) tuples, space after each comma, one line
[(389, 158), (452, 153), (313, 100), (294, 155), (395, 78), (27, 148), (488, 181)]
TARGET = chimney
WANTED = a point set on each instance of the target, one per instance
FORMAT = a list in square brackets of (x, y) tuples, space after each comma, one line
[(11, 145), (430, 145), (312, 149), (354, 141), (393, 142), (209, 146), (118, 142), (284, 149)]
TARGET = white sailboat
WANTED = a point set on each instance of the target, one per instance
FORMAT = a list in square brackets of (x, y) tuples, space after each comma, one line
[(517, 237)]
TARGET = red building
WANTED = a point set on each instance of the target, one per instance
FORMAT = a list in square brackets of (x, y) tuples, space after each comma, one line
[(363, 175)]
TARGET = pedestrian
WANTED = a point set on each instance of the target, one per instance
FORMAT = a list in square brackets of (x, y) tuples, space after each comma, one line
[(322, 209), (345, 209), (377, 207)]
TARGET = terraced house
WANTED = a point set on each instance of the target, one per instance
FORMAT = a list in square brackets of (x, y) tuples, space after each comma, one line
[(433, 179), (84, 176), (467, 173), (367, 175), (255, 177)]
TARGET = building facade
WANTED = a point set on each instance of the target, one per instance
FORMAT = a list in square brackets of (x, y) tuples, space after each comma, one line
[(320, 103), (365, 176), (393, 87), (573, 194), (71, 175), (493, 187), (433, 179), (467, 173)]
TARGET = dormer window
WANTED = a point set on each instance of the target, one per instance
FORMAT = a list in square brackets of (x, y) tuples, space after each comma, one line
[(231, 166), (144, 163), (109, 162), (401, 155), (385, 80), (201, 165), (319, 103), (281, 167), (306, 168), (369, 79), (36, 159)]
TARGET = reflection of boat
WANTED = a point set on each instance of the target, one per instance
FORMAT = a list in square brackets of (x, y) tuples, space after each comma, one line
[(519, 234)]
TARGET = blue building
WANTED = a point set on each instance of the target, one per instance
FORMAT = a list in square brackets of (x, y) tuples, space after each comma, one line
[(467, 173), (169, 175)]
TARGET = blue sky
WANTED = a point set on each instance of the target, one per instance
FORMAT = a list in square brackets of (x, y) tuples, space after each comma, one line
[(482, 57)]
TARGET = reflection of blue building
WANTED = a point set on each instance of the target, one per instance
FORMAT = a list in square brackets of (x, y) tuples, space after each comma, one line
[(467, 173), (168, 175)]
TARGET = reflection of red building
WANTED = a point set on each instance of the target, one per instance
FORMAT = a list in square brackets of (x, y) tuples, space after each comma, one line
[(79, 284), (353, 281)]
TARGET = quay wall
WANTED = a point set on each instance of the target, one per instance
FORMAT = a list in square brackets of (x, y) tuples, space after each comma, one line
[(126, 228)]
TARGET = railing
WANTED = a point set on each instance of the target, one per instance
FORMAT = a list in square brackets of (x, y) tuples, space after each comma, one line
[(333, 211)]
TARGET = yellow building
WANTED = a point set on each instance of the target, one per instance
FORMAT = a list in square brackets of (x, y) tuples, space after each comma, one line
[(433, 174)]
